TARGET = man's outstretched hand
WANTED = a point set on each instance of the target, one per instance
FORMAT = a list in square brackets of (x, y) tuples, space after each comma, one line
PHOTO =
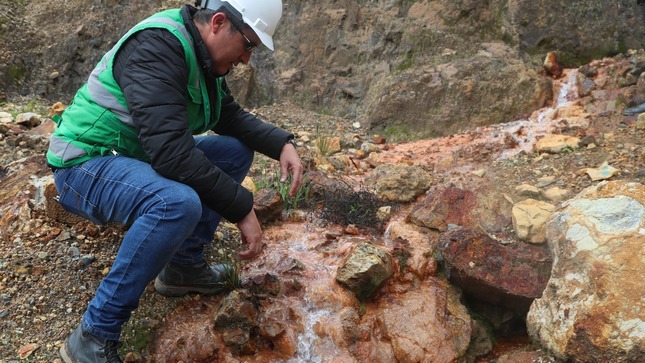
[(251, 236), (290, 164)]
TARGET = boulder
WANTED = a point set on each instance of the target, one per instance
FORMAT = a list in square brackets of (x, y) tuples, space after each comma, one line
[(592, 309), (511, 274)]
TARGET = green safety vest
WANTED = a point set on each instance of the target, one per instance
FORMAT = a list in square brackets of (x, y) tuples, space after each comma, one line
[(98, 122)]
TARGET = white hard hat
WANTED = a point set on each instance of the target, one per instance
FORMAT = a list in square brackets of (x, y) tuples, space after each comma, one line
[(262, 16)]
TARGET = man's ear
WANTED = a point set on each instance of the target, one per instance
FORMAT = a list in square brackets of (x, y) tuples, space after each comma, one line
[(217, 21)]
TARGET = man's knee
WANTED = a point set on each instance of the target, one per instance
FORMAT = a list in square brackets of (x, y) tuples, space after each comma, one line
[(180, 202)]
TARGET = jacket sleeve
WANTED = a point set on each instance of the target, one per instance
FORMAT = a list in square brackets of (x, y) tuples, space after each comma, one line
[(153, 78), (260, 136)]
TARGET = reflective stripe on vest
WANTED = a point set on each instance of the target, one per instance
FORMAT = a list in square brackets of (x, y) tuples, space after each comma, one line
[(64, 149), (107, 100)]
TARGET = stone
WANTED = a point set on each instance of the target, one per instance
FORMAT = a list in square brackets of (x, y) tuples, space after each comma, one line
[(556, 143), (365, 270), (527, 190), (399, 183), (249, 184), (592, 309), (556, 194), (268, 205), (426, 324), (511, 275), (444, 207), (603, 172), (529, 220), (551, 65)]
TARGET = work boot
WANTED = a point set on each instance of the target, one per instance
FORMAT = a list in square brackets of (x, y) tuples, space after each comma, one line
[(178, 280), (83, 347)]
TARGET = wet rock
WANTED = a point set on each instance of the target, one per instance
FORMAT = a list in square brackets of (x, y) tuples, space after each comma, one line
[(426, 324), (592, 309), (444, 207), (234, 318), (585, 85), (268, 205), (588, 71), (510, 275), (197, 345), (284, 341), (365, 270), (420, 260), (401, 183)]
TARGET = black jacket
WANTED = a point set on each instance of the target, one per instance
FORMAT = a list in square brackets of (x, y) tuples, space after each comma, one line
[(150, 69)]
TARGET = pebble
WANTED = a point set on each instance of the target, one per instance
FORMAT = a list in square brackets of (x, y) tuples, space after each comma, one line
[(75, 252), (545, 181), (87, 260)]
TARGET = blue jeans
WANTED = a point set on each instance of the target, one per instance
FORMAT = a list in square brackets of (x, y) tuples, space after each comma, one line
[(166, 219)]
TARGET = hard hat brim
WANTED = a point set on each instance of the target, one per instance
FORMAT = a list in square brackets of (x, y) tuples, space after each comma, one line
[(265, 38)]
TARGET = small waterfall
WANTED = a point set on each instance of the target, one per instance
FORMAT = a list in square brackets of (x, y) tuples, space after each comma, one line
[(308, 341), (569, 91), (525, 132), (316, 307)]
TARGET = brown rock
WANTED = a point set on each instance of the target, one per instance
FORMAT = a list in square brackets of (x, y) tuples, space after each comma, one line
[(438, 210), (511, 275), (551, 66), (268, 204)]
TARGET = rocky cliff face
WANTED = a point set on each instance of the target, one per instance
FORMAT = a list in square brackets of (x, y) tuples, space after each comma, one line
[(417, 68)]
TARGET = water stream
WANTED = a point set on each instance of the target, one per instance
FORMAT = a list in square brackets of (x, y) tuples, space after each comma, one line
[(312, 314), (525, 132)]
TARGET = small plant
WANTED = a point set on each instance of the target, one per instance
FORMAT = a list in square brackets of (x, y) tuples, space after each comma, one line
[(231, 276), (408, 61), (323, 142), (273, 182)]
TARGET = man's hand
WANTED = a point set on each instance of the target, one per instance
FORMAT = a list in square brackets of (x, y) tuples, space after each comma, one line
[(290, 163), (251, 235)]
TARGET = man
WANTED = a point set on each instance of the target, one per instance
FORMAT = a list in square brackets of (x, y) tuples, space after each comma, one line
[(124, 151)]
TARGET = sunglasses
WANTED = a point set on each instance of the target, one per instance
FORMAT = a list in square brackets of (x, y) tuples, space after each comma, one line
[(249, 45)]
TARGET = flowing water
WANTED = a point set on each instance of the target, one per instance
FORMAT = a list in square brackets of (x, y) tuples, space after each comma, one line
[(525, 132), (311, 255)]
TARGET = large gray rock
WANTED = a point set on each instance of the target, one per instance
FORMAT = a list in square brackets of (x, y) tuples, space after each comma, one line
[(427, 67), (593, 308), (437, 100), (580, 30)]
